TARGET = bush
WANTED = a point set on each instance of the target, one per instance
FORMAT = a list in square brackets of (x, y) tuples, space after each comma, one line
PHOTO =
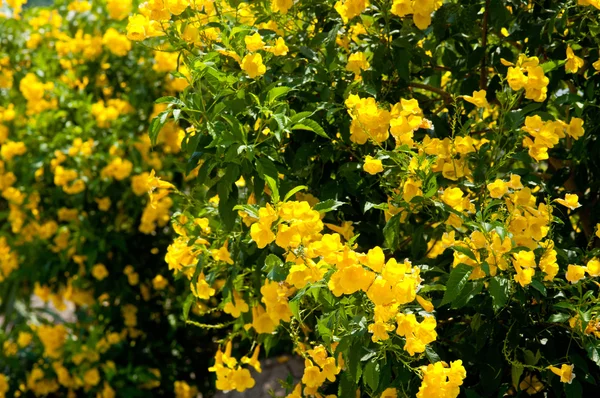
[(403, 193), (78, 228)]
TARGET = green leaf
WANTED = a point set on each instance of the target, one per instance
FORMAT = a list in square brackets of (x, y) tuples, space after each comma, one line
[(559, 318), (466, 251), (391, 232), (456, 282), (252, 210), (573, 389), (156, 125), (471, 290), (268, 172), (187, 304), (274, 266), (371, 374), (300, 116), (293, 191), (311, 125), (328, 205), (515, 372), (499, 288), (277, 92)]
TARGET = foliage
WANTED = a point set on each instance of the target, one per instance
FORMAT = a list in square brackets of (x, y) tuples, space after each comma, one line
[(336, 139), (87, 307)]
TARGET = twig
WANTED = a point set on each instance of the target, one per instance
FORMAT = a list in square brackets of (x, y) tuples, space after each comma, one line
[(483, 80)]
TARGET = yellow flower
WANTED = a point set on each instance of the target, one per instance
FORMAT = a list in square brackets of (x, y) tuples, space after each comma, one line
[(24, 339), (575, 128), (279, 49), (242, 380), (202, 289), (253, 361), (254, 42), (478, 99), (236, 309), (253, 65), (349, 9), (575, 273), (159, 282), (593, 267), (99, 271), (281, 6), (261, 234), (531, 385), (91, 377), (525, 259), (222, 254), (138, 27), (357, 62), (372, 166), (565, 372), (453, 197), (389, 393), (3, 385), (497, 189), (571, 201), (573, 62), (426, 304), (103, 203)]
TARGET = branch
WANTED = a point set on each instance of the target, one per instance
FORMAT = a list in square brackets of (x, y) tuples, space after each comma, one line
[(427, 87), (483, 79)]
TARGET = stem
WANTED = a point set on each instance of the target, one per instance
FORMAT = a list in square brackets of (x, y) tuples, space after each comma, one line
[(483, 80)]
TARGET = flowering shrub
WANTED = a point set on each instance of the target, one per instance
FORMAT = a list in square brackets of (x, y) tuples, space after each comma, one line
[(401, 192), (78, 228)]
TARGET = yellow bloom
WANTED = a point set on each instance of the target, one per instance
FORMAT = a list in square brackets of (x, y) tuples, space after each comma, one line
[(573, 62), (253, 65), (453, 197), (575, 273), (159, 282), (202, 289), (99, 271), (254, 42), (281, 6), (531, 385), (103, 203), (261, 234), (372, 166), (24, 339), (571, 201), (565, 372), (575, 128), (357, 62), (222, 254), (389, 393), (91, 377), (497, 189), (279, 49), (478, 99)]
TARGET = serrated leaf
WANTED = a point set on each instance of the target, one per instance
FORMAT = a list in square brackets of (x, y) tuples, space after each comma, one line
[(466, 251), (328, 205), (268, 172), (371, 375), (456, 282), (156, 125), (311, 125), (559, 318), (391, 232), (277, 92), (499, 288)]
